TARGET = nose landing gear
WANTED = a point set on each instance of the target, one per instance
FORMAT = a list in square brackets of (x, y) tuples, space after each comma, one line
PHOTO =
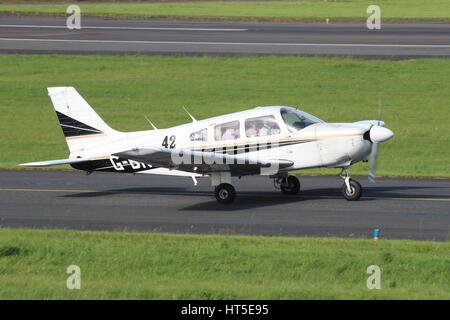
[(351, 189)]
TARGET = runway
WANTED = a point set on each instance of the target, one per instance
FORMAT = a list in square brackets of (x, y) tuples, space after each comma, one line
[(192, 37), (400, 208)]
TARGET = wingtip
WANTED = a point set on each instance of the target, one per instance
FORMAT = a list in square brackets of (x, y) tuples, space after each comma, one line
[(27, 164)]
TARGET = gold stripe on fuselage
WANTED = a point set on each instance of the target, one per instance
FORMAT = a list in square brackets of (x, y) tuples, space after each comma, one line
[(99, 158), (87, 136), (271, 141)]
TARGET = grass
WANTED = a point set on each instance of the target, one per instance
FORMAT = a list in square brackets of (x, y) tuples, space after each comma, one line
[(273, 10), (122, 265), (123, 89), (95, 1)]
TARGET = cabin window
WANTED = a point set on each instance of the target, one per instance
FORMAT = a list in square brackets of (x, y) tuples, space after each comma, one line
[(227, 131), (296, 120), (261, 126), (200, 135)]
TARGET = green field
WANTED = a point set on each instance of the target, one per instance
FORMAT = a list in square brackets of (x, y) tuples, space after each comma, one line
[(124, 89), (273, 10), (121, 265)]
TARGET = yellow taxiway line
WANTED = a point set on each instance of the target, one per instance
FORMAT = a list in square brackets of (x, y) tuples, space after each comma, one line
[(50, 190)]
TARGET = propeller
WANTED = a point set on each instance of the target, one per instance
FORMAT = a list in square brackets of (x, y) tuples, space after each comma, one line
[(376, 137), (373, 161)]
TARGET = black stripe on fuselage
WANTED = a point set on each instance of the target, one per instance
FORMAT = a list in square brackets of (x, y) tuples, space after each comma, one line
[(246, 148)]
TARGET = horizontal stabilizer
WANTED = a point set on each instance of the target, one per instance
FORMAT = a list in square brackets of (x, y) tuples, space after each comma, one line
[(49, 163)]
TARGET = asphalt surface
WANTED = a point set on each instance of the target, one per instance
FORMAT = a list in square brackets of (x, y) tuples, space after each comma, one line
[(115, 36), (400, 208)]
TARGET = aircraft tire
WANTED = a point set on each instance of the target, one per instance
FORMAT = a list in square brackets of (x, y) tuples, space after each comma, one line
[(225, 193), (355, 192), (293, 186)]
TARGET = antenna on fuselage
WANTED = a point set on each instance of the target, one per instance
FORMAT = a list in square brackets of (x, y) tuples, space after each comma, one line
[(190, 115), (151, 123)]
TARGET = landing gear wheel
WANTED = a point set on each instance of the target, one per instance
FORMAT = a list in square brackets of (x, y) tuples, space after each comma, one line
[(355, 191), (293, 186), (225, 193)]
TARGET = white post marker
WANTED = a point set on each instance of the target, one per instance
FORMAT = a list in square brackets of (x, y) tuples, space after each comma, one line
[(74, 280), (374, 20), (74, 20), (374, 281)]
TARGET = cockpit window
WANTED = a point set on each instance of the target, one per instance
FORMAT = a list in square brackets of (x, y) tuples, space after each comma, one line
[(297, 120)]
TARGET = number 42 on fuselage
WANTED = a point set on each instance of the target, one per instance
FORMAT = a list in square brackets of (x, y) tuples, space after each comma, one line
[(270, 141)]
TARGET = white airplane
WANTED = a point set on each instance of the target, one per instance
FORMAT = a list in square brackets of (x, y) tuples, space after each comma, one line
[(267, 141)]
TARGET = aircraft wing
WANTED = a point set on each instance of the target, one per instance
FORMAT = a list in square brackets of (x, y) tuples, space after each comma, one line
[(49, 163), (205, 162)]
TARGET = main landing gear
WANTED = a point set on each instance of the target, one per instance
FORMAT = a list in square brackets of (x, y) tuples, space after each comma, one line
[(225, 193), (287, 184), (351, 189), (223, 190)]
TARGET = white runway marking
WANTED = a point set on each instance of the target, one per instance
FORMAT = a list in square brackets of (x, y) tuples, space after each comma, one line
[(236, 43), (123, 28)]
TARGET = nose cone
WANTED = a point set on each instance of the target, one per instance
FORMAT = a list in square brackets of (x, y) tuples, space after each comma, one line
[(380, 134)]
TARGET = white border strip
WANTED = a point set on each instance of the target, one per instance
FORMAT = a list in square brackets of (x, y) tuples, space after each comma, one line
[(123, 28), (236, 43)]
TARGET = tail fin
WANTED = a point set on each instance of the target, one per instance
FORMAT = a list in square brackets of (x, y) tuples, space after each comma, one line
[(82, 126)]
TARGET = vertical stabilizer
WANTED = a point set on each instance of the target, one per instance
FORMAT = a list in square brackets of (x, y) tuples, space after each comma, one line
[(82, 126)]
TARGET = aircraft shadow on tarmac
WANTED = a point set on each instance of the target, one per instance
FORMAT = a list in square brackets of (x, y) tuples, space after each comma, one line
[(244, 200), (254, 199), (136, 191), (382, 192)]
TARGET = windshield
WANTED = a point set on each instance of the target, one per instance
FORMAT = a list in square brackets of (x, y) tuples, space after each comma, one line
[(296, 120)]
